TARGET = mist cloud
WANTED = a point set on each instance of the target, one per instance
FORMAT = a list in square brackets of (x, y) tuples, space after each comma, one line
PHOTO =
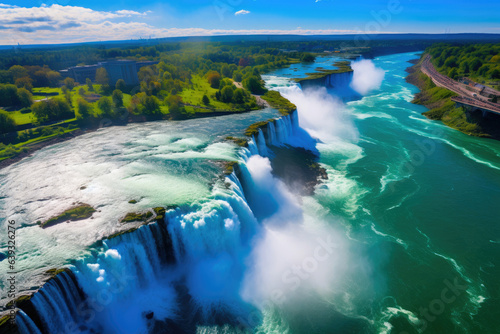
[(366, 76)]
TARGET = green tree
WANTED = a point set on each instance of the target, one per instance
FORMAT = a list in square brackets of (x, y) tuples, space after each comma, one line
[(453, 73), (24, 96), (8, 95), (213, 78), (67, 95), (254, 85), (6, 77), (101, 76), (151, 106), (307, 58), (494, 74), (7, 124), (85, 109), (106, 90), (239, 96), (205, 100), (18, 71), (237, 76), (175, 109), (53, 77), (106, 106), (120, 85), (475, 64), (226, 94), (226, 71), (89, 84), (25, 82), (70, 83), (117, 97), (451, 62), (464, 67), (52, 110)]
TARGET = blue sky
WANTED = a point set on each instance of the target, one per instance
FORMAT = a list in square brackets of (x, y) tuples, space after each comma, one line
[(88, 20)]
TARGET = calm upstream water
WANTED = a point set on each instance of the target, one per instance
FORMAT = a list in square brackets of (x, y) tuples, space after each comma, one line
[(403, 237)]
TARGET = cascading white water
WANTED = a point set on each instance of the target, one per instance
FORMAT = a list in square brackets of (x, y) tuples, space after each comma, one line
[(271, 134), (229, 253), (281, 131), (261, 144), (56, 304), (339, 80)]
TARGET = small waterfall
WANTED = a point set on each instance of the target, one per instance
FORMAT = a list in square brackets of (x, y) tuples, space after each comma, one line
[(252, 146), (25, 324), (339, 80), (282, 131), (56, 305), (261, 144), (272, 134)]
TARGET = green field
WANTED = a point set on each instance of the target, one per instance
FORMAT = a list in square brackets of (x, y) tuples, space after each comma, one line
[(19, 117), (194, 94)]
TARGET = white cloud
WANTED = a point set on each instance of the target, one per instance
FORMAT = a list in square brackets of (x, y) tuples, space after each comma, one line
[(242, 12), (129, 13)]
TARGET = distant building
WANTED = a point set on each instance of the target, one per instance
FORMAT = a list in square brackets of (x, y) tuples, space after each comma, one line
[(121, 69), (117, 69)]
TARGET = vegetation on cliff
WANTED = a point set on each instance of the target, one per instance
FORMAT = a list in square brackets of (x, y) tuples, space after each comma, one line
[(254, 128), (440, 106), (342, 67), (277, 101)]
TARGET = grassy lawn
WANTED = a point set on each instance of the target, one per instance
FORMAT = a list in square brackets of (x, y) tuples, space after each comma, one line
[(19, 117), (37, 96), (194, 95)]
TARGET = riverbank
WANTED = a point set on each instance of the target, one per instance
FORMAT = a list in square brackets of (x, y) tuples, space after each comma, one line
[(442, 108), (31, 148)]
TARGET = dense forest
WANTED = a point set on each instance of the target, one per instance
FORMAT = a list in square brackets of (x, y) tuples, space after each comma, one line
[(480, 62)]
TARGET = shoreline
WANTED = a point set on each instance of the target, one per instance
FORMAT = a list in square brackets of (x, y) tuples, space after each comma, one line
[(441, 108)]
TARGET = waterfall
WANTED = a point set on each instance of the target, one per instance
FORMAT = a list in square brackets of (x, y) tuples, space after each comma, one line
[(25, 324), (56, 304), (271, 130), (282, 131), (261, 144), (193, 260), (252, 146), (338, 80)]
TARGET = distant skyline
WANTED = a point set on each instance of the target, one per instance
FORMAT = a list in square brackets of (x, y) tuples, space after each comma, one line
[(73, 21)]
